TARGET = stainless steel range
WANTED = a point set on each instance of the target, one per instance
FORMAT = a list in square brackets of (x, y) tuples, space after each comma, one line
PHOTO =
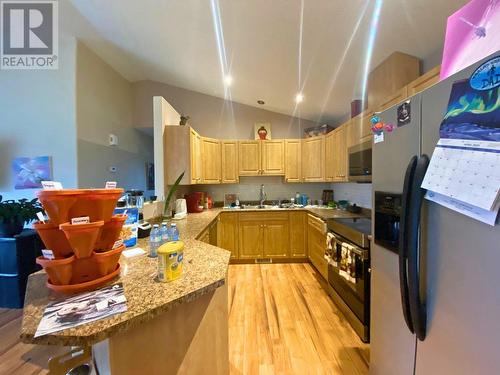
[(348, 255)]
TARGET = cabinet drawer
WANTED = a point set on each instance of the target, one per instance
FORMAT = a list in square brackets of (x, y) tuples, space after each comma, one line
[(317, 223), (262, 216)]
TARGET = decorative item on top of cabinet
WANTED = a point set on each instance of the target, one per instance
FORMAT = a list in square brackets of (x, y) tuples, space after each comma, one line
[(229, 173), (227, 232), (424, 81), (262, 131), (293, 160), (211, 161), (313, 159)]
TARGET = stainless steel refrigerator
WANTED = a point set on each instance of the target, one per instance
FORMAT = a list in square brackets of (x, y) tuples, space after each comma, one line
[(435, 277)]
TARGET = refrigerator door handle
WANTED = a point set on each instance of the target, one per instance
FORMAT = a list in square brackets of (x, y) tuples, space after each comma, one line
[(417, 304), (403, 243)]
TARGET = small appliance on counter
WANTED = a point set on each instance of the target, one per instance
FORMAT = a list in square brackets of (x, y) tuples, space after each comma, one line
[(327, 196), (180, 209), (194, 202), (143, 229)]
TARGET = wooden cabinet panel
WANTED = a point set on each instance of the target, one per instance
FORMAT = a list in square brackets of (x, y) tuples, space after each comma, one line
[(227, 232), (211, 160), (229, 162), (313, 159), (424, 81), (195, 156), (316, 241), (249, 158), (250, 239), (340, 159), (393, 99), (273, 157), (293, 160), (276, 239), (298, 234), (331, 154)]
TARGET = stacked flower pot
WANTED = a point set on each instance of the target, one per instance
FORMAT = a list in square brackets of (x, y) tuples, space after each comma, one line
[(84, 253)]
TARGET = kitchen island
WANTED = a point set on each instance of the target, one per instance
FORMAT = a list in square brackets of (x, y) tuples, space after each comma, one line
[(176, 327)]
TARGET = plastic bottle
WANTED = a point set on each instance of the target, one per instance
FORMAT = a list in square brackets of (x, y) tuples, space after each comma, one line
[(154, 241), (165, 237), (174, 232), (297, 198)]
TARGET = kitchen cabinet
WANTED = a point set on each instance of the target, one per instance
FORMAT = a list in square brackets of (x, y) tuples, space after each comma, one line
[(424, 81), (227, 232), (393, 99), (293, 160), (313, 159), (249, 158), (316, 244), (209, 235), (229, 162), (298, 234), (264, 235), (330, 156), (359, 129), (195, 156), (336, 155), (261, 158), (211, 160)]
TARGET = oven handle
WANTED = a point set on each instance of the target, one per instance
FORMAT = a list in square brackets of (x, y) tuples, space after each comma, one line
[(403, 242), (417, 305)]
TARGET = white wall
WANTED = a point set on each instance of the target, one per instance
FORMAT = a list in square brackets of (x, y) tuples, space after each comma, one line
[(361, 194), (37, 118)]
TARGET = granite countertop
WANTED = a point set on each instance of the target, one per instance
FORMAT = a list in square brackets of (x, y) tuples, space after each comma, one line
[(205, 269), (322, 213)]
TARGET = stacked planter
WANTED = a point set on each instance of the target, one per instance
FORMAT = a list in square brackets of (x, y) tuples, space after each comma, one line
[(84, 254)]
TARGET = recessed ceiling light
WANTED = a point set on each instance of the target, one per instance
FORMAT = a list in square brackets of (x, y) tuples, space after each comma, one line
[(261, 102), (228, 80), (299, 98)]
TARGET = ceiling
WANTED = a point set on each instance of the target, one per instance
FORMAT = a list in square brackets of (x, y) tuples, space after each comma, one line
[(175, 42)]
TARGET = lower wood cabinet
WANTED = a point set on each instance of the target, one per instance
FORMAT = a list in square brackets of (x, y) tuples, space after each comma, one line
[(298, 234), (316, 243), (227, 232)]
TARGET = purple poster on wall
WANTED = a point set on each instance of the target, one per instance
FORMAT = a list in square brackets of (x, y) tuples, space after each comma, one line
[(472, 33)]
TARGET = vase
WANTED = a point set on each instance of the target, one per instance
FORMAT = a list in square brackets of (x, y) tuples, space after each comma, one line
[(10, 229), (262, 132)]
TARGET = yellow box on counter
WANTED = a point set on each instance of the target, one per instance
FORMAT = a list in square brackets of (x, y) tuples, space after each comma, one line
[(170, 259)]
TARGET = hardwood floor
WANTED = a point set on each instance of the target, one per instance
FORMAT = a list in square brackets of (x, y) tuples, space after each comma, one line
[(280, 322)]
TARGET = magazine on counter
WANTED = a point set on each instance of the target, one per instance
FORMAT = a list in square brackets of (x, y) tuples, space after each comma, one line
[(82, 308)]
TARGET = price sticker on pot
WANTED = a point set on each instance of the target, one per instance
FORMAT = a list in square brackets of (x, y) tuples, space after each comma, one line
[(110, 185), (51, 185), (40, 216), (48, 254), (80, 220), (117, 244)]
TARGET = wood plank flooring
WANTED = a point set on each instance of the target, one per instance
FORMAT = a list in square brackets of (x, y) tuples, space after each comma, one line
[(280, 322)]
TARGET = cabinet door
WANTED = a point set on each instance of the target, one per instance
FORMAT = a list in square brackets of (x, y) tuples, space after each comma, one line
[(298, 234), (293, 160), (394, 99), (340, 146), (424, 81), (250, 239), (227, 232), (195, 156), (330, 156), (273, 157), (229, 173), (249, 158), (211, 157), (316, 241), (276, 239), (313, 159)]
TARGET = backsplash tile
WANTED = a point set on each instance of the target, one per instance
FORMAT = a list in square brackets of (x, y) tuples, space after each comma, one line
[(361, 194)]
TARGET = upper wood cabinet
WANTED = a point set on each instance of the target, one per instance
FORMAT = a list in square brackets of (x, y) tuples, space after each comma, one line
[(313, 159), (424, 81), (211, 160), (227, 232), (249, 158), (261, 158), (195, 156), (336, 154), (229, 158), (330, 156), (359, 129), (181, 153), (393, 99), (293, 160)]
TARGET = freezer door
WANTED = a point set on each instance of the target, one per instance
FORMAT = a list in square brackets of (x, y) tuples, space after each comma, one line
[(463, 277), (392, 349)]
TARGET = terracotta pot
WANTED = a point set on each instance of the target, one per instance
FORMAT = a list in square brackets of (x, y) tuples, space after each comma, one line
[(106, 261), (57, 203), (84, 286), (53, 239), (82, 237), (98, 204), (110, 232), (59, 271)]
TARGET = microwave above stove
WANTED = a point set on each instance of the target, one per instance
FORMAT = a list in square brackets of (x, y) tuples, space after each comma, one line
[(360, 162)]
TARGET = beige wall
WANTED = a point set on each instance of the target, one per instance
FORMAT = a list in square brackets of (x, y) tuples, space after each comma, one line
[(104, 106), (212, 116), (37, 118)]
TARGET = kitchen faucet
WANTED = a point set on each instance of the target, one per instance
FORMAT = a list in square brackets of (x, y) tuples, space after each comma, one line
[(262, 196)]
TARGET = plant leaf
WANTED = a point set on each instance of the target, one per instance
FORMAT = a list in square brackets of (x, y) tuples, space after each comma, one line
[(172, 191)]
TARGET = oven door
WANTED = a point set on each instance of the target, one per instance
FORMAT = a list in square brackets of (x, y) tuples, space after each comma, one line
[(360, 162), (348, 274)]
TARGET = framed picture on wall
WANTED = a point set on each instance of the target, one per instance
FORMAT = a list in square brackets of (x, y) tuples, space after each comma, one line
[(262, 130), (28, 173)]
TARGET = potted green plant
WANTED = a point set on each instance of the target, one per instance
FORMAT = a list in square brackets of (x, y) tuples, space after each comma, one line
[(167, 211), (13, 215)]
